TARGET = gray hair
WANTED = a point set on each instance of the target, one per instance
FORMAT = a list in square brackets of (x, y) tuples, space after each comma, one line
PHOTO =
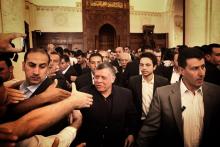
[(105, 65)]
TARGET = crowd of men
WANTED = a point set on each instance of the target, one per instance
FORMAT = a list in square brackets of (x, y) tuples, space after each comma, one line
[(110, 98)]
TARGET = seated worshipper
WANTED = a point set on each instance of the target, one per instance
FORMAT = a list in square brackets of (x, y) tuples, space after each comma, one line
[(143, 86), (111, 121), (88, 78)]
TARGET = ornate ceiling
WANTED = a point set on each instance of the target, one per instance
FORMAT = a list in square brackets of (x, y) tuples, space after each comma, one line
[(138, 5)]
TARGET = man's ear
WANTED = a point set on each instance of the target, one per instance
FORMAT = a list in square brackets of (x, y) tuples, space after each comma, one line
[(155, 66), (181, 69), (11, 69), (113, 79), (208, 57)]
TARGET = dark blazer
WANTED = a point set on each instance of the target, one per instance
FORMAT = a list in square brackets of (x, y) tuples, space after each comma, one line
[(212, 74), (116, 63), (70, 72), (43, 86), (135, 84), (59, 125), (164, 71), (62, 83), (164, 124), (83, 80), (131, 69), (109, 131)]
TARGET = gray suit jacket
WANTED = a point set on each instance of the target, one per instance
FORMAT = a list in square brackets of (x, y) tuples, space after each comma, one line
[(164, 125)]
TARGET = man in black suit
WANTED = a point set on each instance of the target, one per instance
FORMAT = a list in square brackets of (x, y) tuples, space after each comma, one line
[(185, 113), (212, 54), (118, 51), (132, 68), (37, 90), (67, 70), (124, 59), (88, 78), (143, 86), (111, 121)]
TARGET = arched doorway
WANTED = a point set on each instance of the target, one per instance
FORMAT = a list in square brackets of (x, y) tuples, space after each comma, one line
[(107, 37)]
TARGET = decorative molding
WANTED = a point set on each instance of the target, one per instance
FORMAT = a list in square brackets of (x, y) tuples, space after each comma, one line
[(78, 7), (145, 13), (178, 19), (55, 8), (60, 19)]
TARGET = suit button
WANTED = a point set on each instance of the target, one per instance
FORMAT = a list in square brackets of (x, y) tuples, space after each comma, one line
[(106, 127)]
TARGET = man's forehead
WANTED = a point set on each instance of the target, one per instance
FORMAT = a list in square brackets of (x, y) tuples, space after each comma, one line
[(104, 71), (216, 49), (195, 62), (37, 59), (95, 58)]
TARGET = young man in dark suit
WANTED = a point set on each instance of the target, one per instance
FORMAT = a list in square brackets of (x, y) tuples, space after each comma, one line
[(88, 78), (67, 70), (143, 86), (185, 113)]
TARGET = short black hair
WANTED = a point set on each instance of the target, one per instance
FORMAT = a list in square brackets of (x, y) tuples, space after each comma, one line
[(209, 48), (188, 53), (150, 56), (7, 60), (65, 58), (94, 55), (105, 65), (37, 50)]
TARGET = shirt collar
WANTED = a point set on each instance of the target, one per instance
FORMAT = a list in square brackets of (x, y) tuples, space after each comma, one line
[(63, 72), (32, 88), (150, 82), (184, 89)]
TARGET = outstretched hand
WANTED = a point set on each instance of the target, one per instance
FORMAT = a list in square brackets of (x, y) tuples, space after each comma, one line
[(7, 139), (54, 94), (82, 100), (6, 38)]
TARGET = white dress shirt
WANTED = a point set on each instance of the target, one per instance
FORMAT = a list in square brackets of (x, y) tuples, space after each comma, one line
[(175, 77), (63, 72), (28, 90), (192, 115), (66, 136), (147, 95)]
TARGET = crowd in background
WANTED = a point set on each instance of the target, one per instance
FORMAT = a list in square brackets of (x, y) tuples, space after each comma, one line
[(126, 97)]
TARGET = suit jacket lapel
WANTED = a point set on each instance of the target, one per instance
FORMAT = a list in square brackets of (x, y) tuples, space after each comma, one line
[(43, 86), (175, 100), (139, 88), (156, 83), (207, 106)]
